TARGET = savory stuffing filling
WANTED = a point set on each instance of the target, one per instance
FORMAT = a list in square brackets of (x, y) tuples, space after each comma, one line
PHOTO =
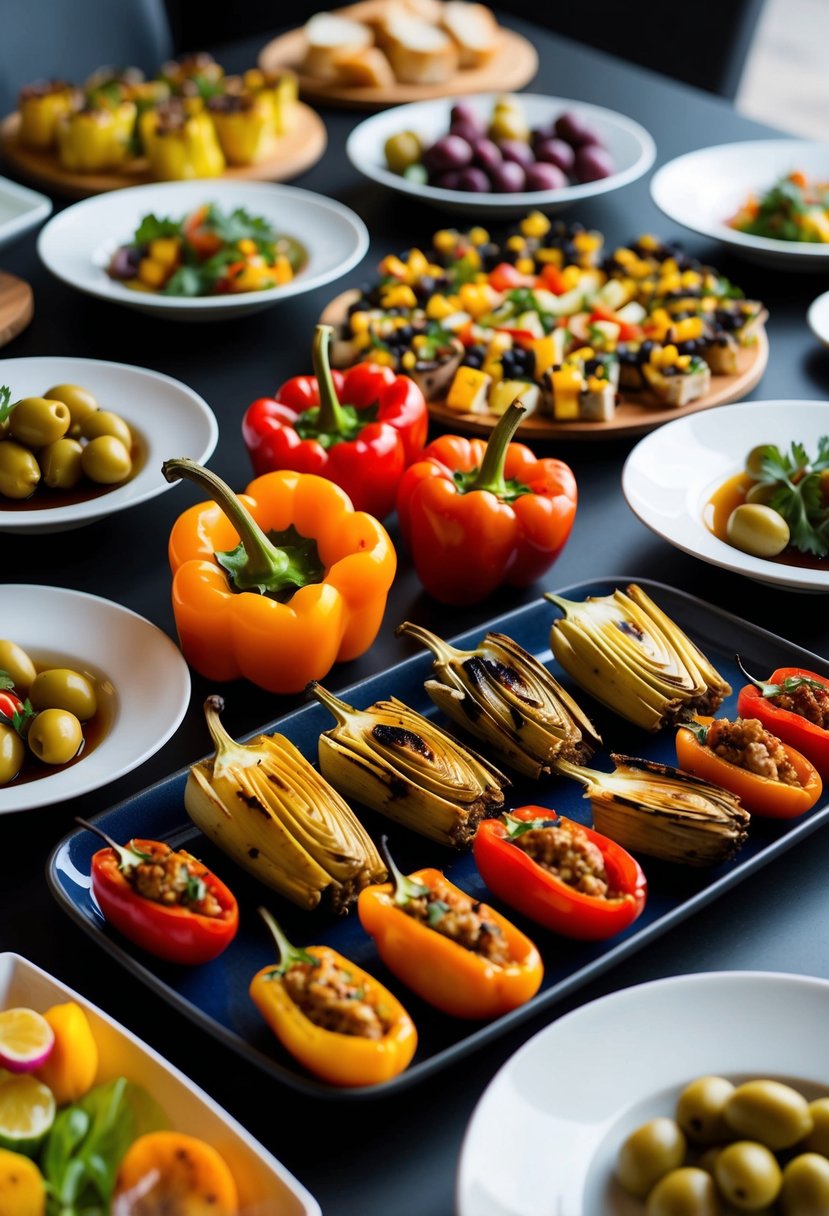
[(571, 855), (809, 700), (749, 745), (329, 997), (170, 879), (457, 918)]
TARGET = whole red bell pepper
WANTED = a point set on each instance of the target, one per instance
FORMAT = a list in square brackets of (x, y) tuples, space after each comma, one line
[(359, 429), (541, 893), (477, 515), (771, 700)]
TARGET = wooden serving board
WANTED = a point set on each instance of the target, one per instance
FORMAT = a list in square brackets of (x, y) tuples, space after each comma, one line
[(634, 414), (297, 150), (514, 64), (17, 306)]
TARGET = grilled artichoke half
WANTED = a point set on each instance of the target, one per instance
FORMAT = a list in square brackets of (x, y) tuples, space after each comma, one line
[(664, 812), (392, 759), (506, 697), (269, 809), (628, 654)]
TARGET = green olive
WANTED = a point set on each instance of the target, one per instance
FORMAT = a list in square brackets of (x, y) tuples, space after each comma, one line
[(104, 422), (17, 664), (12, 753), (757, 529), (818, 1139), (106, 460), (402, 150), (699, 1109), (19, 471), (748, 1175), (60, 464), (508, 123), (650, 1152), (805, 1190), (80, 401), (684, 1192), (768, 1111), (754, 460), (37, 421), (55, 736), (62, 688), (761, 491)]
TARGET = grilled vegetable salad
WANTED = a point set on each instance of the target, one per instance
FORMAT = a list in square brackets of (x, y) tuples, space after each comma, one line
[(793, 209)]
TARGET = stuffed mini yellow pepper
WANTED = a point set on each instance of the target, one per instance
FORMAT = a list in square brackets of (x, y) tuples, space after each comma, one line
[(244, 125), (96, 138), (181, 145), (41, 105)]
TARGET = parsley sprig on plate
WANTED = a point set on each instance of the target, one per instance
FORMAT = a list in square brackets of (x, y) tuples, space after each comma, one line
[(799, 493)]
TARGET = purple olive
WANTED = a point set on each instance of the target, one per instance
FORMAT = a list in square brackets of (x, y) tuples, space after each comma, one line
[(547, 130), (450, 180), (592, 164), (474, 181), (465, 114), (468, 131), (543, 176), (517, 150), (125, 262), (556, 152), (508, 177), (449, 152), (574, 130), (487, 154)]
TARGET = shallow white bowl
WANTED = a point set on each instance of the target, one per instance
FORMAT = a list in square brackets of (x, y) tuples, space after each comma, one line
[(671, 473), (140, 670), (818, 318), (544, 1137), (630, 145), (703, 189), (20, 210), (265, 1185), (170, 419), (76, 246)]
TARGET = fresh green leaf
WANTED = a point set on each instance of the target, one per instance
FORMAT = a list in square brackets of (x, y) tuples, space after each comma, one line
[(517, 827), (239, 225), (186, 281), (196, 889), (435, 912), (153, 227), (6, 403)]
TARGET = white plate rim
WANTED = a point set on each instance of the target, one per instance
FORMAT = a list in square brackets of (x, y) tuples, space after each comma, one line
[(818, 308), (39, 208), (695, 539), (93, 772)]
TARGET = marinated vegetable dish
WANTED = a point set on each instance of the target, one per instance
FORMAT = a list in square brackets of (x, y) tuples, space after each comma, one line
[(793, 209), (210, 252), (62, 448), (759, 1145)]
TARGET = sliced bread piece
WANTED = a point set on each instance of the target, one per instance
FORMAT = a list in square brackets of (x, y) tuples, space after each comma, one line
[(327, 37), (418, 52), (474, 28), (366, 68)]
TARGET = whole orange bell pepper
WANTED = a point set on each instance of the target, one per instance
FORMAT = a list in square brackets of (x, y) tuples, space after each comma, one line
[(333, 1055), (761, 796), (456, 979), (278, 584)]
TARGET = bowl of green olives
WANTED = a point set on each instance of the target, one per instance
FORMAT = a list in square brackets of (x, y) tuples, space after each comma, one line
[(79, 714), (81, 438), (678, 1097)]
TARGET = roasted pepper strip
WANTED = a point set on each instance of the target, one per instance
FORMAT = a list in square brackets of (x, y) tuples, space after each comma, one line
[(334, 570), (758, 700), (761, 796), (541, 894), (360, 429), (177, 932), (476, 516), (334, 1056), (455, 979)]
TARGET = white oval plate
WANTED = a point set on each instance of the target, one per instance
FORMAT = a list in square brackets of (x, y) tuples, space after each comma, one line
[(146, 670), (630, 145), (671, 473), (76, 246), (818, 318), (544, 1137), (702, 189), (20, 210), (265, 1185), (170, 418)]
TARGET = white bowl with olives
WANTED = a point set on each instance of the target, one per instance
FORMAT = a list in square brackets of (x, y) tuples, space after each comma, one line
[(82, 438)]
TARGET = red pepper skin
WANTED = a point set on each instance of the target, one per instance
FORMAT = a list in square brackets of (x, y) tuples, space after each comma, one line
[(465, 546), (810, 740), (368, 467), (523, 884), (627, 332), (174, 933), (10, 704)]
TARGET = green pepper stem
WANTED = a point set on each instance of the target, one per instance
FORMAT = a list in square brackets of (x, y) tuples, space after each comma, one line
[(405, 889), (340, 710), (330, 419), (287, 955), (490, 475), (127, 857)]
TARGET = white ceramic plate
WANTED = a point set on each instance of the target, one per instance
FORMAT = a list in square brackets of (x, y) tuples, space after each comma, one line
[(818, 318), (20, 210), (141, 675), (702, 189), (630, 145), (78, 243), (265, 1186), (671, 473), (169, 418), (543, 1139)]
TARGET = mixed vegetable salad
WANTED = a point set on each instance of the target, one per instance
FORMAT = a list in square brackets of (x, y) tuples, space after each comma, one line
[(795, 208)]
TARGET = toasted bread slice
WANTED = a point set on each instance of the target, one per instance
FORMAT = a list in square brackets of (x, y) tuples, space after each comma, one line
[(366, 68), (418, 52), (329, 36), (474, 28)]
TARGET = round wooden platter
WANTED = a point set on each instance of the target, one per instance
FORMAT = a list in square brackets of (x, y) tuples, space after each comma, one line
[(634, 415), (514, 64), (17, 306), (297, 150)]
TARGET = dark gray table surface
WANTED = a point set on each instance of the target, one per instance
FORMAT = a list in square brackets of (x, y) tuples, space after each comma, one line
[(401, 1155)]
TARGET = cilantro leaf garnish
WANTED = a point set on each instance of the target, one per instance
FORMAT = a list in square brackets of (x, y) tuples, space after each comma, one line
[(798, 494)]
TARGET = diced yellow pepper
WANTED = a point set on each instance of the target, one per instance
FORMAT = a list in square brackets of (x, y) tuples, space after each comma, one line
[(545, 353), (478, 235), (571, 277), (409, 361), (359, 322), (688, 329), (468, 391), (477, 299), (418, 264), (535, 224), (398, 296), (153, 273), (568, 384), (392, 266), (166, 250), (525, 266), (445, 240), (438, 307), (516, 244)]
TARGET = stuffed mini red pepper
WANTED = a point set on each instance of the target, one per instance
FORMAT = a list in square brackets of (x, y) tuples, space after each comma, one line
[(478, 515), (794, 705), (360, 428), (560, 874)]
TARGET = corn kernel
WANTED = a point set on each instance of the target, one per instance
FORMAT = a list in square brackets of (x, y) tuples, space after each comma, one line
[(478, 236), (587, 242), (359, 322), (525, 266), (472, 258), (549, 257), (683, 362), (691, 278), (535, 224), (409, 361), (515, 243), (649, 242), (624, 256), (445, 240), (570, 277)]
